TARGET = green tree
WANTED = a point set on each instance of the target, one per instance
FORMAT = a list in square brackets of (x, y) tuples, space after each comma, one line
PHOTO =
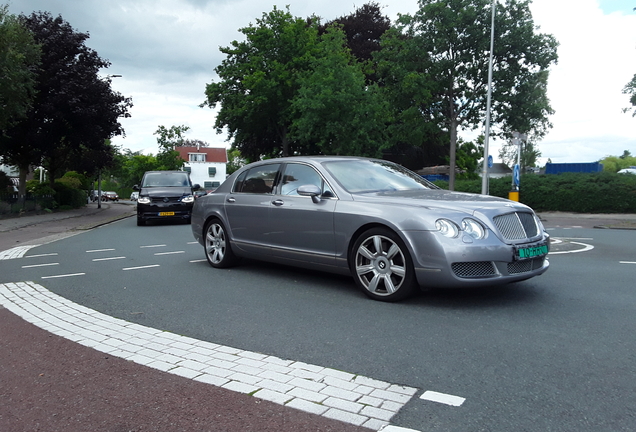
[(234, 161), (168, 139), (334, 110), (258, 80), (19, 57), (456, 36), (74, 110)]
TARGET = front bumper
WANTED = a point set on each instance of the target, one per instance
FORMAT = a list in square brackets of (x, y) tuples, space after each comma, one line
[(441, 262)]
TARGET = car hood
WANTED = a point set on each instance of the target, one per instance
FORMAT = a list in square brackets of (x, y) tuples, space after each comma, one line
[(444, 200), (166, 191)]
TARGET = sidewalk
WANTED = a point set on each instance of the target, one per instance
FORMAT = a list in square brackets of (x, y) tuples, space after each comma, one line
[(46, 227)]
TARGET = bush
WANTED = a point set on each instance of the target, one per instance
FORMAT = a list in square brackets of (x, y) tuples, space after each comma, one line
[(602, 192), (67, 196)]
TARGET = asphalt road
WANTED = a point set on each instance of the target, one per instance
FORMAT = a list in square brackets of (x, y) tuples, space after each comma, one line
[(555, 353)]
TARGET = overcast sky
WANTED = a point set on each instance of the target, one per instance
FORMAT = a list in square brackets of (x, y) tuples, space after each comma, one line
[(166, 52)]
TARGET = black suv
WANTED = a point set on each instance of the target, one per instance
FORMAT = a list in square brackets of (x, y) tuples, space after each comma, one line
[(165, 195)]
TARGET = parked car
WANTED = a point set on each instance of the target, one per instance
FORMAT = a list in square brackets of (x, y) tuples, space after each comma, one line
[(389, 228), (95, 194), (629, 170), (110, 196), (134, 196), (165, 195)]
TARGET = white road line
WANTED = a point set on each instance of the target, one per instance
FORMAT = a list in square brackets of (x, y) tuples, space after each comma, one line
[(586, 247), (64, 275), (99, 250), (443, 398), (201, 260), (152, 246), (108, 259), (627, 262), (41, 255), (141, 267), (194, 242), (170, 253), (332, 393), (40, 265)]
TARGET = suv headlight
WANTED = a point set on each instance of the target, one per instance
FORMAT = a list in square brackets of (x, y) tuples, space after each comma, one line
[(188, 199), (143, 200), (473, 229)]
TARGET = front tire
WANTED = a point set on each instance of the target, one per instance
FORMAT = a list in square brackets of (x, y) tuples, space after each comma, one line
[(217, 246), (382, 266)]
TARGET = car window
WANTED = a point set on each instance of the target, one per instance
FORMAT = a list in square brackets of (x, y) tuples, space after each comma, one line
[(165, 179), (299, 175), (359, 176), (259, 180)]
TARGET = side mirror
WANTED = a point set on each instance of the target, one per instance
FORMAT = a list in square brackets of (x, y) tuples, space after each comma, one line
[(196, 186), (136, 188), (310, 190)]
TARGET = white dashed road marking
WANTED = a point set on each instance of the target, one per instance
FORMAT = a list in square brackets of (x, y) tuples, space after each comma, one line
[(443, 398), (110, 258), (141, 267), (40, 265), (315, 389), (62, 276)]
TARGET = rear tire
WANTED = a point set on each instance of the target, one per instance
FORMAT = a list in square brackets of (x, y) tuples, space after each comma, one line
[(382, 267), (218, 249)]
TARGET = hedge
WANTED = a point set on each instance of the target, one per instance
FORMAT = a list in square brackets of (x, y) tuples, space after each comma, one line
[(567, 192)]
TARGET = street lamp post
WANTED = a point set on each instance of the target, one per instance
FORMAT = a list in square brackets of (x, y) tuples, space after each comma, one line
[(484, 175)]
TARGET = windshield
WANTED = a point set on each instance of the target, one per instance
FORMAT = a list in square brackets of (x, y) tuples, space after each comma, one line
[(359, 176), (167, 179)]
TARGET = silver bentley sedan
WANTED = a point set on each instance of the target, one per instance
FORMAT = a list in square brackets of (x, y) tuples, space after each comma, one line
[(389, 228)]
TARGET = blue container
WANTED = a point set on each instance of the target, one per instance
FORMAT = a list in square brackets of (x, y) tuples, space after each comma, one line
[(583, 167)]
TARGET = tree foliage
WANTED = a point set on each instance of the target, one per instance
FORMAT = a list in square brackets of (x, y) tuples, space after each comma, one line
[(19, 58), (334, 111), (630, 90), (455, 36), (74, 111), (258, 80), (169, 139)]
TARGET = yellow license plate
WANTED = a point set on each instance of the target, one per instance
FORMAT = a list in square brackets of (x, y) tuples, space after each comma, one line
[(166, 213)]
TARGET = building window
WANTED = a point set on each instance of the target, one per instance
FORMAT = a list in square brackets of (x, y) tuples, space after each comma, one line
[(212, 171), (197, 157)]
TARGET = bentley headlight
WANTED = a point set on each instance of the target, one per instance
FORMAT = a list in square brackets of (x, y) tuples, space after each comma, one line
[(143, 200), (447, 228), (188, 199), (473, 229)]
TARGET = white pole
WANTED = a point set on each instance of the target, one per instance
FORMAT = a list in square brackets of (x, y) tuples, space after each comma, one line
[(484, 175)]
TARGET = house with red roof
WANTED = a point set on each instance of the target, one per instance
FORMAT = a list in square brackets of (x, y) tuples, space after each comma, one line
[(206, 165)]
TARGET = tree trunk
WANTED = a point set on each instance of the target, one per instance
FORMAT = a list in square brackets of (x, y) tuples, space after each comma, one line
[(24, 171)]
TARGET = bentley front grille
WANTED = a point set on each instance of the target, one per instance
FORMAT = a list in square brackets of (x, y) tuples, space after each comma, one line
[(517, 226), (525, 266), (474, 269)]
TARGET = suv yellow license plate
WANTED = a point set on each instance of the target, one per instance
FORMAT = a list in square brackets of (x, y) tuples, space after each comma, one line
[(166, 213), (534, 251)]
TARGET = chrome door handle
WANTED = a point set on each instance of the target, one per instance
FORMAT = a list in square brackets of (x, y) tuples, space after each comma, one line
[(278, 202), (231, 200)]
